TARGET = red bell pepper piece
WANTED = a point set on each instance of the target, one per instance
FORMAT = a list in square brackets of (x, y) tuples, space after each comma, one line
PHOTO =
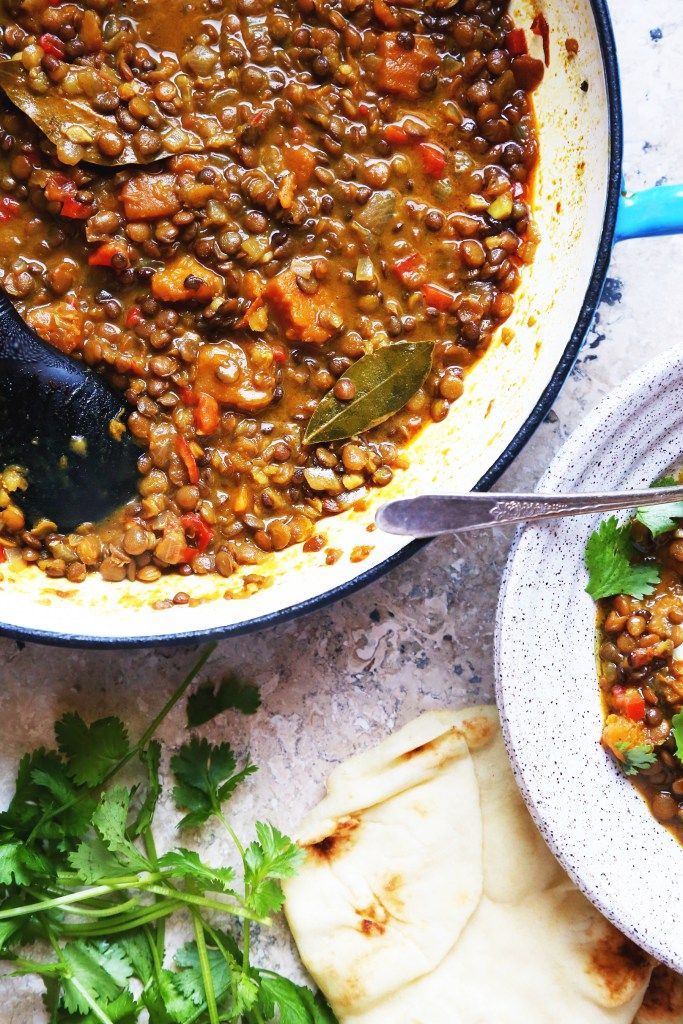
[(185, 452), (279, 352), (3, 553), (52, 45), (407, 265), (8, 208), (630, 702), (437, 297), (516, 42), (396, 135), (540, 27), (193, 523), (634, 706), (187, 396), (58, 187), (74, 209), (133, 316), (433, 159), (206, 414)]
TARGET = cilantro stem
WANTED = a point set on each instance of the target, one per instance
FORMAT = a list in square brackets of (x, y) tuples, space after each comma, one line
[(203, 901), (35, 966), (114, 911), (205, 967), (246, 927), (153, 913), (229, 829), (75, 897), (151, 849), (165, 711)]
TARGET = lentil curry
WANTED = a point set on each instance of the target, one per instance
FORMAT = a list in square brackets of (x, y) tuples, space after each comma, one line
[(227, 213), (641, 673)]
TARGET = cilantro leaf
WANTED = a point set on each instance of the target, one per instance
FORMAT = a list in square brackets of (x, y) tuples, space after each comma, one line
[(636, 759), (188, 865), (296, 1003), (188, 979), (165, 1003), (207, 702), (42, 789), (90, 971), (273, 857), (111, 821), (92, 751), (135, 948), (8, 934), (93, 861), (206, 777), (124, 1010), (608, 559), (19, 864), (661, 518), (677, 728)]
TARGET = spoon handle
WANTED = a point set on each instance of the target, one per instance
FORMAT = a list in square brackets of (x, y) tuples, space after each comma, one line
[(430, 515)]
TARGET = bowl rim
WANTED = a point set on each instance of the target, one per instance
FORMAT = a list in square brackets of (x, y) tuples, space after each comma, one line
[(639, 389), (537, 415)]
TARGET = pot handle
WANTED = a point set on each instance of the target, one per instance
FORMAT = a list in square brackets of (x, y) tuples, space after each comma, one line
[(654, 211)]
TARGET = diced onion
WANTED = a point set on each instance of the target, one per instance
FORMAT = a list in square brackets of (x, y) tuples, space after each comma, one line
[(365, 270)]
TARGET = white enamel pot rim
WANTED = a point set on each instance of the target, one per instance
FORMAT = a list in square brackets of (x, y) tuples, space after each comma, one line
[(592, 818), (508, 393)]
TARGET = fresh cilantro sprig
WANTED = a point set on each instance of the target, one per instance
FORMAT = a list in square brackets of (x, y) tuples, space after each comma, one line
[(611, 569), (636, 759), (80, 872)]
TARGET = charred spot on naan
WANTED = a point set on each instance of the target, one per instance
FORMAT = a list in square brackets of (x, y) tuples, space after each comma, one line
[(663, 1002), (333, 845), (619, 964), (373, 919)]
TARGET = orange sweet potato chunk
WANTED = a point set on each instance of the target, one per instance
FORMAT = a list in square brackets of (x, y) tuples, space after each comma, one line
[(58, 323), (400, 70), (619, 730), (169, 284), (301, 162), (148, 196), (303, 318)]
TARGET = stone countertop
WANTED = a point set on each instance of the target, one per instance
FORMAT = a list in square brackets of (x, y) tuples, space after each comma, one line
[(422, 637)]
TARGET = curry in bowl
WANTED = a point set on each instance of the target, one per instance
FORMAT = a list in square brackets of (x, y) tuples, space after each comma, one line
[(641, 650), (284, 233)]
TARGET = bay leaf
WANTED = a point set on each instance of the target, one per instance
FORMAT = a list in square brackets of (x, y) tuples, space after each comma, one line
[(385, 380), (55, 114)]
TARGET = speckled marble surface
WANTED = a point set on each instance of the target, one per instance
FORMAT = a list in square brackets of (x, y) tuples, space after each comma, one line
[(420, 638)]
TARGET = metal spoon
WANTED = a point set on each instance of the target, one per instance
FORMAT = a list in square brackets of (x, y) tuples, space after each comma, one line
[(430, 515), (54, 422)]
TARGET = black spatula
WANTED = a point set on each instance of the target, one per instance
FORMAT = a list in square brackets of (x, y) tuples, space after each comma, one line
[(54, 421)]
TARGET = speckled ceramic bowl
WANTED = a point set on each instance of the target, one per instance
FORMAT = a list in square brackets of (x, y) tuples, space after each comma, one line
[(592, 818)]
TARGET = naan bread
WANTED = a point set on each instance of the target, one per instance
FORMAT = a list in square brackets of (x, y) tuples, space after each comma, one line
[(365, 911), (428, 896), (663, 1003)]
